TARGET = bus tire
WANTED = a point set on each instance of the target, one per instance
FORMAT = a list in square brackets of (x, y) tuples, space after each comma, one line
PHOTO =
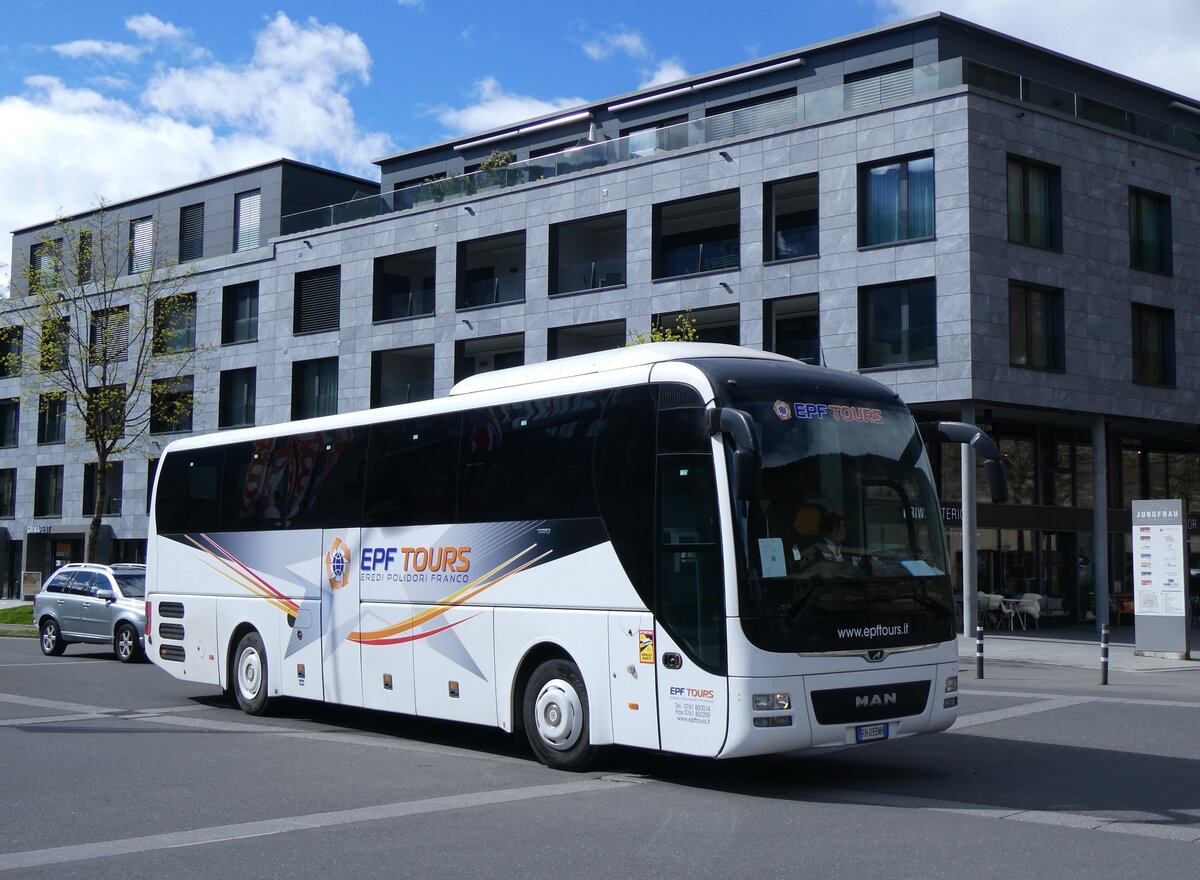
[(250, 674), (556, 715)]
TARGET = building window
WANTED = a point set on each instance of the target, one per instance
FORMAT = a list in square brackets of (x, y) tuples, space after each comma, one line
[(141, 245), (108, 340), (656, 137), (236, 407), (404, 286), (1035, 327), (401, 375), (175, 324), (106, 411), (587, 254), (45, 263), (113, 480), (8, 493), (491, 271), (750, 115), (10, 422), (790, 222), (246, 220), (1153, 345), (1034, 204), (10, 351), (314, 388), (721, 324), (151, 470), (171, 403), (55, 344), (696, 235), (52, 419), (318, 298), (897, 325), (585, 338), (792, 327), (1149, 231), (83, 257), (239, 313), (473, 356), (895, 201), (191, 232), (48, 490)]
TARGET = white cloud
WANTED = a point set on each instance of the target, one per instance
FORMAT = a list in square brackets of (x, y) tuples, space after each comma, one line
[(291, 93), (1151, 40), (152, 28), (414, 4), (98, 48), (625, 42), (69, 145), (667, 71), (494, 107)]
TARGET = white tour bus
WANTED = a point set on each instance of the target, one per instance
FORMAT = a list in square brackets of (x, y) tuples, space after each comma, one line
[(697, 548)]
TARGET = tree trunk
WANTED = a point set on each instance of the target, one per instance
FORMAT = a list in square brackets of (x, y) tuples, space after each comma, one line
[(100, 493)]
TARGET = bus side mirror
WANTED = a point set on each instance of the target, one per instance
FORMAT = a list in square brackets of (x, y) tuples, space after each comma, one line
[(746, 477), (984, 446)]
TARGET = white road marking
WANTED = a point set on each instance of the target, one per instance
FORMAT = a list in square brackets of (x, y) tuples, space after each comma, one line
[(102, 849)]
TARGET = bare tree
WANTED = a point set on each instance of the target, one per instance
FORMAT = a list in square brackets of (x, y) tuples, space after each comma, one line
[(102, 327)]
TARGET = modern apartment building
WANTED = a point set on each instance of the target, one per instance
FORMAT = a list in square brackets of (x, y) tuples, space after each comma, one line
[(998, 232)]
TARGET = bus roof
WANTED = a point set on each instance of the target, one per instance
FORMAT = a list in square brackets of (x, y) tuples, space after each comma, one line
[(602, 361)]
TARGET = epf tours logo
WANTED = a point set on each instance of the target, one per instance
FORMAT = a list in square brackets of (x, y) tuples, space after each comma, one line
[(337, 564)]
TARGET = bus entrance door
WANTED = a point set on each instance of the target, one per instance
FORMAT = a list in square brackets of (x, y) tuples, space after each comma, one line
[(693, 705), (342, 656), (631, 658)]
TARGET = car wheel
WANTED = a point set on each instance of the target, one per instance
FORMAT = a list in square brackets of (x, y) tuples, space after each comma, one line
[(51, 638), (250, 674), (126, 644), (555, 711)]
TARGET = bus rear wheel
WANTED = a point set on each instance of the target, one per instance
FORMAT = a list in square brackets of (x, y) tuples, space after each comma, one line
[(555, 711), (250, 674)]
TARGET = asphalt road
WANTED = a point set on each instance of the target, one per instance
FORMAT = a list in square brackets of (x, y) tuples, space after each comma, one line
[(122, 771)]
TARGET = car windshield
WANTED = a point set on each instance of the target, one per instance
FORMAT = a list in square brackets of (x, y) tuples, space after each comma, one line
[(132, 584), (844, 549)]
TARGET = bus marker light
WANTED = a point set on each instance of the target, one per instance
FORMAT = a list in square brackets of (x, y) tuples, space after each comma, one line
[(387, 682), (454, 690), (633, 706)]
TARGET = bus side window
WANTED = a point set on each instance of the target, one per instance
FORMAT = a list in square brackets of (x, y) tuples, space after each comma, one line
[(411, 472)]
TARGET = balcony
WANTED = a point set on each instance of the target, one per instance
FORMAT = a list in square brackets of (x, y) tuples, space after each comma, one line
[(790, 112), (639, 146)]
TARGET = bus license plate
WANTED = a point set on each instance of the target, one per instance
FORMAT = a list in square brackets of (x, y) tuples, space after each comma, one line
[(867, 732)]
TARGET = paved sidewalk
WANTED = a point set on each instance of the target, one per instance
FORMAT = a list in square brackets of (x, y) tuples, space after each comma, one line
[(1067, 652)]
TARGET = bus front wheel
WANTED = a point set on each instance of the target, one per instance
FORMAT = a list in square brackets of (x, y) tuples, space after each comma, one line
[(555, 711), (250, 674)]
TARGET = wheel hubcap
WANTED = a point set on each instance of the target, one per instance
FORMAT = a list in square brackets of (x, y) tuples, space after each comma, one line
[(125, 643), (48, 638), (559, 715), (249, 673)]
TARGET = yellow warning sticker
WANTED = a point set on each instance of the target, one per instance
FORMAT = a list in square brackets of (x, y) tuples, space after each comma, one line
[(646, 645)]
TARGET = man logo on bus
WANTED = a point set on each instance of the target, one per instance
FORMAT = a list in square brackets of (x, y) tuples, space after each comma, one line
[(783, 410), (337, 564)]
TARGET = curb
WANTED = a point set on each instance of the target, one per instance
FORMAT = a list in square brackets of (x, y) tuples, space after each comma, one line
[(18, 630)]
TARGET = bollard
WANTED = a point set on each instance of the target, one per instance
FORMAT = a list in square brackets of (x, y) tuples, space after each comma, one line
[(979, 652), (1104, 653)]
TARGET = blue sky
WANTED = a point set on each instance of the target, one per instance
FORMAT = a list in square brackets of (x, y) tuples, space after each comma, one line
[(115, 99)]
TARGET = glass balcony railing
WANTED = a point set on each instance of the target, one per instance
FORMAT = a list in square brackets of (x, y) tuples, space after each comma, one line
[(787, 112), (790, 111), (491, 292), (591, 276)]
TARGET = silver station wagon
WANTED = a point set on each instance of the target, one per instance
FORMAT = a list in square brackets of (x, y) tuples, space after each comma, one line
[(98, 604)]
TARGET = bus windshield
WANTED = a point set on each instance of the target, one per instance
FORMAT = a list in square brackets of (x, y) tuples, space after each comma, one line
[(844, 549)]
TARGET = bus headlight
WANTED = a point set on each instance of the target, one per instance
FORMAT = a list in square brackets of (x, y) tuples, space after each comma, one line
[(952, 684), (768, 702)]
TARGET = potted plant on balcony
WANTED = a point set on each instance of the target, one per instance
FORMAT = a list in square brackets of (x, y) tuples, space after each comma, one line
[(492, 173)]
